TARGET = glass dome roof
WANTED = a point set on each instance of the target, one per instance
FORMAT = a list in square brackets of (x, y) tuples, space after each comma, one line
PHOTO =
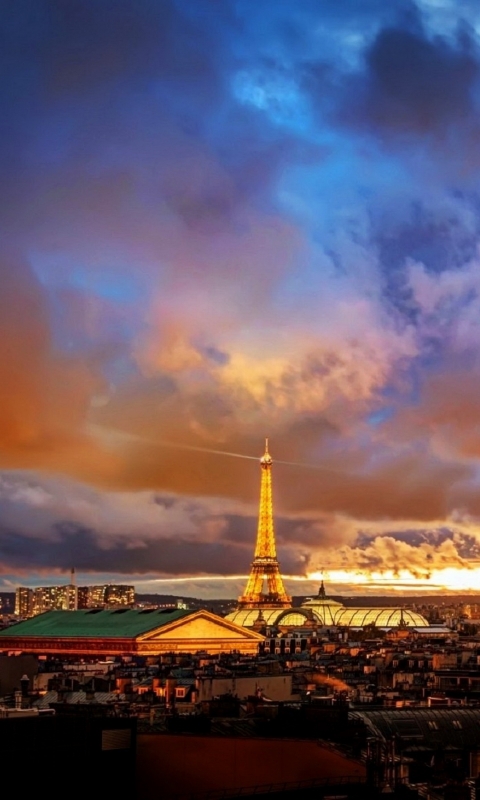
[(330, 613)]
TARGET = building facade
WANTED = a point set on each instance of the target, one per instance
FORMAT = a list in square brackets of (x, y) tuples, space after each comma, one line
[(128, 632), (32, 601), (106, 595)]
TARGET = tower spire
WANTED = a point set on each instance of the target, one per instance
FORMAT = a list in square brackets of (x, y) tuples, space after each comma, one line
[(265, 565)]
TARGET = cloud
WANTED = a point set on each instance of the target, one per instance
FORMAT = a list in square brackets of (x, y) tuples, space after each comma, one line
[(230, 223), (44, 394), (414, 86), (388, 554), (50, 524)]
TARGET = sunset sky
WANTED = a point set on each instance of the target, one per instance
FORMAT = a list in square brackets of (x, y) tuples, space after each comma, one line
[(222, 220)]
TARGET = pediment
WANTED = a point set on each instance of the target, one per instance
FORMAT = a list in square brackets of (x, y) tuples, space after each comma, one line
[(201, 625)]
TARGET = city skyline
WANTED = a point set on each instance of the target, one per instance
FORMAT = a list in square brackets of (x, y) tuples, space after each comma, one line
[(227, 221)]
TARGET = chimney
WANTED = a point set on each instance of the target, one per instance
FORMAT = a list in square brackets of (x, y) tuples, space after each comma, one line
[(170, 686), (24, 682)]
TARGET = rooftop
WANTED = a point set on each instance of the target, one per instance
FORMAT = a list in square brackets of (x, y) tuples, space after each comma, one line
[(119, 623)]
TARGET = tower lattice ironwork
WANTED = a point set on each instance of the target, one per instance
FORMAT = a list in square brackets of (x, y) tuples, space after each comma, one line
[(265, 566)]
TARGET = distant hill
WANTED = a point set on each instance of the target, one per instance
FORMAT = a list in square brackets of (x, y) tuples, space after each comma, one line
[(218, 606)]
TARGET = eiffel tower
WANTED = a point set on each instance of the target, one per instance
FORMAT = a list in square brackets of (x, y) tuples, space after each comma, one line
[(265, 566)]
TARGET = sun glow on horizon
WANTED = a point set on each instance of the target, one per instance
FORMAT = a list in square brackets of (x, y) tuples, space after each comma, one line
[(449, 579)]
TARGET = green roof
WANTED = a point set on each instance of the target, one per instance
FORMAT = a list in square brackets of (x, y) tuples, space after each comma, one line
[(120, 623)]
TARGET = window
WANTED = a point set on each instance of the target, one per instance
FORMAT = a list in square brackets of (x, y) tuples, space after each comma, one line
[(179, 691)]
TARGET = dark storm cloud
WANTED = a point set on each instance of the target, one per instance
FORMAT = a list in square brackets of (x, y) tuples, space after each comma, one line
[(111, 108), (77, 73), (438, 238), (468, 546), (441, 239), (414, 86), (73, 48), (69, 542), (288, 532), (415, 538), (74, 544)]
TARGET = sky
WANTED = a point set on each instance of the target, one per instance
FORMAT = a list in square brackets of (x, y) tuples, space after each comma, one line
[(226, 220)]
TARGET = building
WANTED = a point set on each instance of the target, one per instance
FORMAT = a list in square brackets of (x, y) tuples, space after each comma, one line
[(29, 602), (38, 750), (128, 632), (273, 608), (102, 596), (54, 598), (439, 747), (23, 601), (92, 596), (117, 594), (225, 765)]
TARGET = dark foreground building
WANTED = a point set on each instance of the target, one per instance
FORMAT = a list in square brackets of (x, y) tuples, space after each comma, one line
[(193, 767), (79, 755), (435, 747)]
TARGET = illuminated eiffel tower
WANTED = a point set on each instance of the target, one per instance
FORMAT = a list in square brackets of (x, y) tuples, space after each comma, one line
[(265, 566)]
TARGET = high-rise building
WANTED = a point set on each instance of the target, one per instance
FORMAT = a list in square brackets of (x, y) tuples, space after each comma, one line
[(101, 596), (23, 601), (116, 594), (95, 596), (54, 598), (30, 602), (82, 596)]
